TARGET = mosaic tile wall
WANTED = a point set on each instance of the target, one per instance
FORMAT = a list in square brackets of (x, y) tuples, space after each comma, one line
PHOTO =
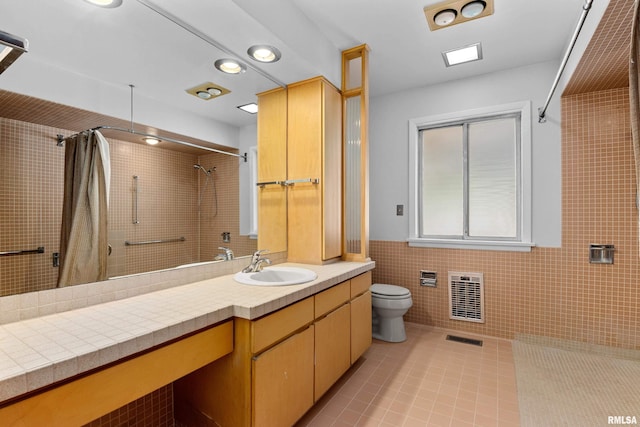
[(553, 292), (168, 190)]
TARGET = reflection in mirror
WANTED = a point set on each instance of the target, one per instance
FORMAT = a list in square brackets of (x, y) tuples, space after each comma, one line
[(168, 200)]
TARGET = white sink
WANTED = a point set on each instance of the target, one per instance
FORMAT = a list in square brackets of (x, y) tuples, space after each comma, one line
[(276, 276)]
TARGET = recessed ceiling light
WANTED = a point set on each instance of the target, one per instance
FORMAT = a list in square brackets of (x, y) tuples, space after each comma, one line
[(445, 17), (151, 141), (251, 108), (461, 55), (214, 91), (264, 53), (473, 9), (230, 66), (105, 3)]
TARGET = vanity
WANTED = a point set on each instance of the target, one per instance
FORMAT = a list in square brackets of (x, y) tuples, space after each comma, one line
[(230, 350)]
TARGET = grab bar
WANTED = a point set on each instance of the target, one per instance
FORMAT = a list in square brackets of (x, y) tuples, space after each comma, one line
[(149, 242), (289, 182), (39, 250), (302, 181), (135, 200), (263, 184)]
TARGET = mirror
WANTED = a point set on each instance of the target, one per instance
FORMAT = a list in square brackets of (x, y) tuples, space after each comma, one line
[(157, 196)]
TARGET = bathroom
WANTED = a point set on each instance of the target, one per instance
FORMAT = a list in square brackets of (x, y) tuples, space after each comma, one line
[(584, 194)]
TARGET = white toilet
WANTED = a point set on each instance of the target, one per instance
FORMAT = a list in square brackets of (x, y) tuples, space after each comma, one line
[(389, 303)]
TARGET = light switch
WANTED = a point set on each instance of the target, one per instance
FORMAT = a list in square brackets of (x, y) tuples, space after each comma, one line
[(399, 210)]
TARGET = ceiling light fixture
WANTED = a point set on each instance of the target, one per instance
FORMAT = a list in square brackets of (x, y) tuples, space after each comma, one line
[(264, 53), (461, 55), (452, 12), (208, 90), (11, 47), (473, 9), (445, 17), (110, 4), (230, 66), (151, 141), (251, 108)]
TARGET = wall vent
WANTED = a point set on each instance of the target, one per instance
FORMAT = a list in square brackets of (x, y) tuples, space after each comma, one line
[(466, 297)]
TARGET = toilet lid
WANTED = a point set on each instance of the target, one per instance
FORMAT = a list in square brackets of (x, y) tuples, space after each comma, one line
[(389, 290)]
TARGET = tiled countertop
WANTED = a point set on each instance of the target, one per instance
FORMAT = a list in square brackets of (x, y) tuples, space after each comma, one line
[(38, 352)]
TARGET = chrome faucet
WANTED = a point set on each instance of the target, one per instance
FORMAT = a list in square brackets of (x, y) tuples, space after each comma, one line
[(228, 253), (257, 262)]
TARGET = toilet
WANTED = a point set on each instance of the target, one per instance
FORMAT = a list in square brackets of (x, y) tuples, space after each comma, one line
[(389, 303)]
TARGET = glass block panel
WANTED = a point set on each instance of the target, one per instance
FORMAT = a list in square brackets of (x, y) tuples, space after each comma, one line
[(353, 176)]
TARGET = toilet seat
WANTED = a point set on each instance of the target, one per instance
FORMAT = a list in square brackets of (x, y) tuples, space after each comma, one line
[(383, 291)]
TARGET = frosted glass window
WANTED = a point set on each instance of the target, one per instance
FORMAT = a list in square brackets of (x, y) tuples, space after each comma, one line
[(470, 179), (442, 181), (493, 179)]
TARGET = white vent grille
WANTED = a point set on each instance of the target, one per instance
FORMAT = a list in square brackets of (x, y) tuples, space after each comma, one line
[(466, 297)]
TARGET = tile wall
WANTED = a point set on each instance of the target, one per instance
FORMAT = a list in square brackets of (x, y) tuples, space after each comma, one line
[(168, 187), (553, 292)]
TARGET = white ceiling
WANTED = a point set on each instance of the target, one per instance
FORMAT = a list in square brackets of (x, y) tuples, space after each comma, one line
[(134, 44)]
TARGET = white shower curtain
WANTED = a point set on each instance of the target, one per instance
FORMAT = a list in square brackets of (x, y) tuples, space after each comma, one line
[(83, 235), (634, 97)]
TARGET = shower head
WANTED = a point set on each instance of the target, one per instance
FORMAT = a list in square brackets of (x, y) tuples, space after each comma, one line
[(206, 172)]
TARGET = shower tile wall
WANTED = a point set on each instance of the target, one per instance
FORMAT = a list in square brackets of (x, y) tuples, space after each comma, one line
[(553, 292), (31, 172), (213, 222), (30, 204)]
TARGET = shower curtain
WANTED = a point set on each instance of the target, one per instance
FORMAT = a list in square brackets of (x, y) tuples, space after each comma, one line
[(83, 235), (634, 97)]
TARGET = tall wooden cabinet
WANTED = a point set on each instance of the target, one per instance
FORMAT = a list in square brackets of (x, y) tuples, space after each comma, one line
[(272, 169), (314, 153)]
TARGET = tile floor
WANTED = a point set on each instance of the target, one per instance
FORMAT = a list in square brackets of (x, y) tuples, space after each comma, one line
[(424, 381)]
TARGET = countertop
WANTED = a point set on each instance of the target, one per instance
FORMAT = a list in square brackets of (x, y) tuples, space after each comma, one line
[(38, 352)]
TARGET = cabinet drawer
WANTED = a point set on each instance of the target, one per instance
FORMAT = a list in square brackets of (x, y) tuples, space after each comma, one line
[(360, 284), (331, 298), (272, 328)]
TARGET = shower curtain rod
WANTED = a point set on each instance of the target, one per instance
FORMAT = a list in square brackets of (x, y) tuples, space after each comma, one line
[(161, 138), (585, 11)]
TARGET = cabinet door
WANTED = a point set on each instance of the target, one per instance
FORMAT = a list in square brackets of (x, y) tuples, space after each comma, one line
[(272, 166), (332, 349), (283, 381), (360, 325), (314, 151)]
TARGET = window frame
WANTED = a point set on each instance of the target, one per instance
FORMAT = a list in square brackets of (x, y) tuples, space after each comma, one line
[(524, 219)]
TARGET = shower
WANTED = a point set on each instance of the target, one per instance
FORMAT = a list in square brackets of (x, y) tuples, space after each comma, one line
[(208, 172)]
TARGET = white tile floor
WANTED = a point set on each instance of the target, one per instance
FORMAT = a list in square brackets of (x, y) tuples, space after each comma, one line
[(424, 381)]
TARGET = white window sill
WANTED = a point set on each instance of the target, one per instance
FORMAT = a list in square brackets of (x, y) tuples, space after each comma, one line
[(471, 244)]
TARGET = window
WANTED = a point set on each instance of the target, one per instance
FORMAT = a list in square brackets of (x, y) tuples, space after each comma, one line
[(470, 180)]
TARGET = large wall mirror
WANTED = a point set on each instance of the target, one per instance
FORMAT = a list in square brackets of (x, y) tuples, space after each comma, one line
[(170, 205)]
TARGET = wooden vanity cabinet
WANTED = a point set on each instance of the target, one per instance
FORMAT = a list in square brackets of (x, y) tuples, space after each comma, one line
[(332, 337), (266, 381), (282, 362), (314, 151), (360, 315)]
